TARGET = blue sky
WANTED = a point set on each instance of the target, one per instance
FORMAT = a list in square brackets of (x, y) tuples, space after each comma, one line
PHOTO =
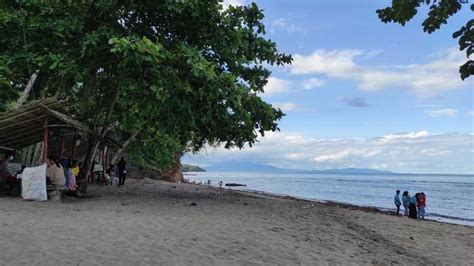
[(361, 93)]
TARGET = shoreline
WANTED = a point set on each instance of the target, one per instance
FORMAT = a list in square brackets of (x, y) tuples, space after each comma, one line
[(347, 205), (437, 211), (444, 219)]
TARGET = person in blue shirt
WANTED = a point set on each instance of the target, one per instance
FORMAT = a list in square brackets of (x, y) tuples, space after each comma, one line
[(397, 201), (406, 202)]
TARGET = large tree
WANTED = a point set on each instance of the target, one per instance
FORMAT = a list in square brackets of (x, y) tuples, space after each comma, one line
[(440, 11), (185, 71)]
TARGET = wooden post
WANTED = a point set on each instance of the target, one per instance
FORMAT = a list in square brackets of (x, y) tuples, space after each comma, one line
[(45, 140)]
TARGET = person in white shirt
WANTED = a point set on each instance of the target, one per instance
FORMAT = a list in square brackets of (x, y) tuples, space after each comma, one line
[(55, 172)]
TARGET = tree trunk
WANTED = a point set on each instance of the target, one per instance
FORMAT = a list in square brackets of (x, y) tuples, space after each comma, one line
[(85, 171), (175, 173), (26, 91), (124, 146)]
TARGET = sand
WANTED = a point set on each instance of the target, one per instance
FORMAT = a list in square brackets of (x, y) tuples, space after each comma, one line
[(152, 222)]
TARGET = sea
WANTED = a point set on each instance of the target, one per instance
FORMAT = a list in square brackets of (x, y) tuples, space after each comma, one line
[(449, 197)]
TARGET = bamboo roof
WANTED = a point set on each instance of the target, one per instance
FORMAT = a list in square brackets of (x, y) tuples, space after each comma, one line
[(24, 125)]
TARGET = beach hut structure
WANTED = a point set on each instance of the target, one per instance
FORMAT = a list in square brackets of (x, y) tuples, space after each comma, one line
[(39, 121)]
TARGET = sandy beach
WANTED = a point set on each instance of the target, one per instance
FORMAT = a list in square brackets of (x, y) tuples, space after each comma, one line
[(153, 222)]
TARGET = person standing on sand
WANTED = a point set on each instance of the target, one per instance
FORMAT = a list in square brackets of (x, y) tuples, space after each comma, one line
[(412, 207), (122, 167), (55, 172), (421, 204), (397, 201), (406, 202)]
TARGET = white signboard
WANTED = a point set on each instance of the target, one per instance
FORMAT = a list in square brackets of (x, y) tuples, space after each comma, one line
[(33, 183), (98, 168)]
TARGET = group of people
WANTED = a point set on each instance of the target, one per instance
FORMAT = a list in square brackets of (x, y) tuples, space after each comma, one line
[(65, 172), (414, 206), (111, 176), (62, 172)]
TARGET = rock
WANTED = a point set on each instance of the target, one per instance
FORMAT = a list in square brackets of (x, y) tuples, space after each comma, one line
[(193, 204), (412, 238)]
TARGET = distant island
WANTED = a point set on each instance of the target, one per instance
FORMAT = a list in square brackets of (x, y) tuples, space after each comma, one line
[(191, 168), (241, 166)]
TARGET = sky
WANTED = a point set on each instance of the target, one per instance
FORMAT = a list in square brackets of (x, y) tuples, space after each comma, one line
[(362, 93)]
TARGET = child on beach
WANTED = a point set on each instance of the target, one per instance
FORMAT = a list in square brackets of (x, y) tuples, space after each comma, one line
[(421, 204), (406, 202), (397, 201)]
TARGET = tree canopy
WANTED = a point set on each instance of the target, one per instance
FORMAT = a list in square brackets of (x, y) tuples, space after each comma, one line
[(403, 11), (185, 71)]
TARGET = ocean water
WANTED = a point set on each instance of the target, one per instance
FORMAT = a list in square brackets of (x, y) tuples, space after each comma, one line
[(449, 197)]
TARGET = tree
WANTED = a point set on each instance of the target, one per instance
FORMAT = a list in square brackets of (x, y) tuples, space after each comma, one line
[(403, 11), (187, 71)]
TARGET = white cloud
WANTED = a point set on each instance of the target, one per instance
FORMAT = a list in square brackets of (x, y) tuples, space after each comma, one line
[(425, 80), (417, 152), (277, 86), (312, 83), (332, 157), (411, 135), (335, 63), (227, 3), (295, 156), (471, 113), (446, 112), (287, 107), (284, 25)]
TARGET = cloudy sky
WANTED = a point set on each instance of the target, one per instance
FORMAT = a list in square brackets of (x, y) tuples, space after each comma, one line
[(361, 93)]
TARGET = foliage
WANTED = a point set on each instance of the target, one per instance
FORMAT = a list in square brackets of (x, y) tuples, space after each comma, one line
[(157, 152), (192, 168), (403, 11), (188, 72)]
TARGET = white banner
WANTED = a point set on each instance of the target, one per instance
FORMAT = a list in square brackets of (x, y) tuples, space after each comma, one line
[(33, 183)]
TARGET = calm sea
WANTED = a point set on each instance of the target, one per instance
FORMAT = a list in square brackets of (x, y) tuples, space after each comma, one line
[(449, 197)]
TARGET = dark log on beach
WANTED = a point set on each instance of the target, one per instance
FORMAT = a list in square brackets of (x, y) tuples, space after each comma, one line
[(234, 185)]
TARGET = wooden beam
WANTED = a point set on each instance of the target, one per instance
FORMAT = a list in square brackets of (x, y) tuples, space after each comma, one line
[(57, 125), (6, 148), (26, 141), (28, 111), (26, 132), (24, 122)]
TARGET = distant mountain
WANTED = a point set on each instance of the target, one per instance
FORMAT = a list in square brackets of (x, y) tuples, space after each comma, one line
[(352, 171), (242, 166)]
